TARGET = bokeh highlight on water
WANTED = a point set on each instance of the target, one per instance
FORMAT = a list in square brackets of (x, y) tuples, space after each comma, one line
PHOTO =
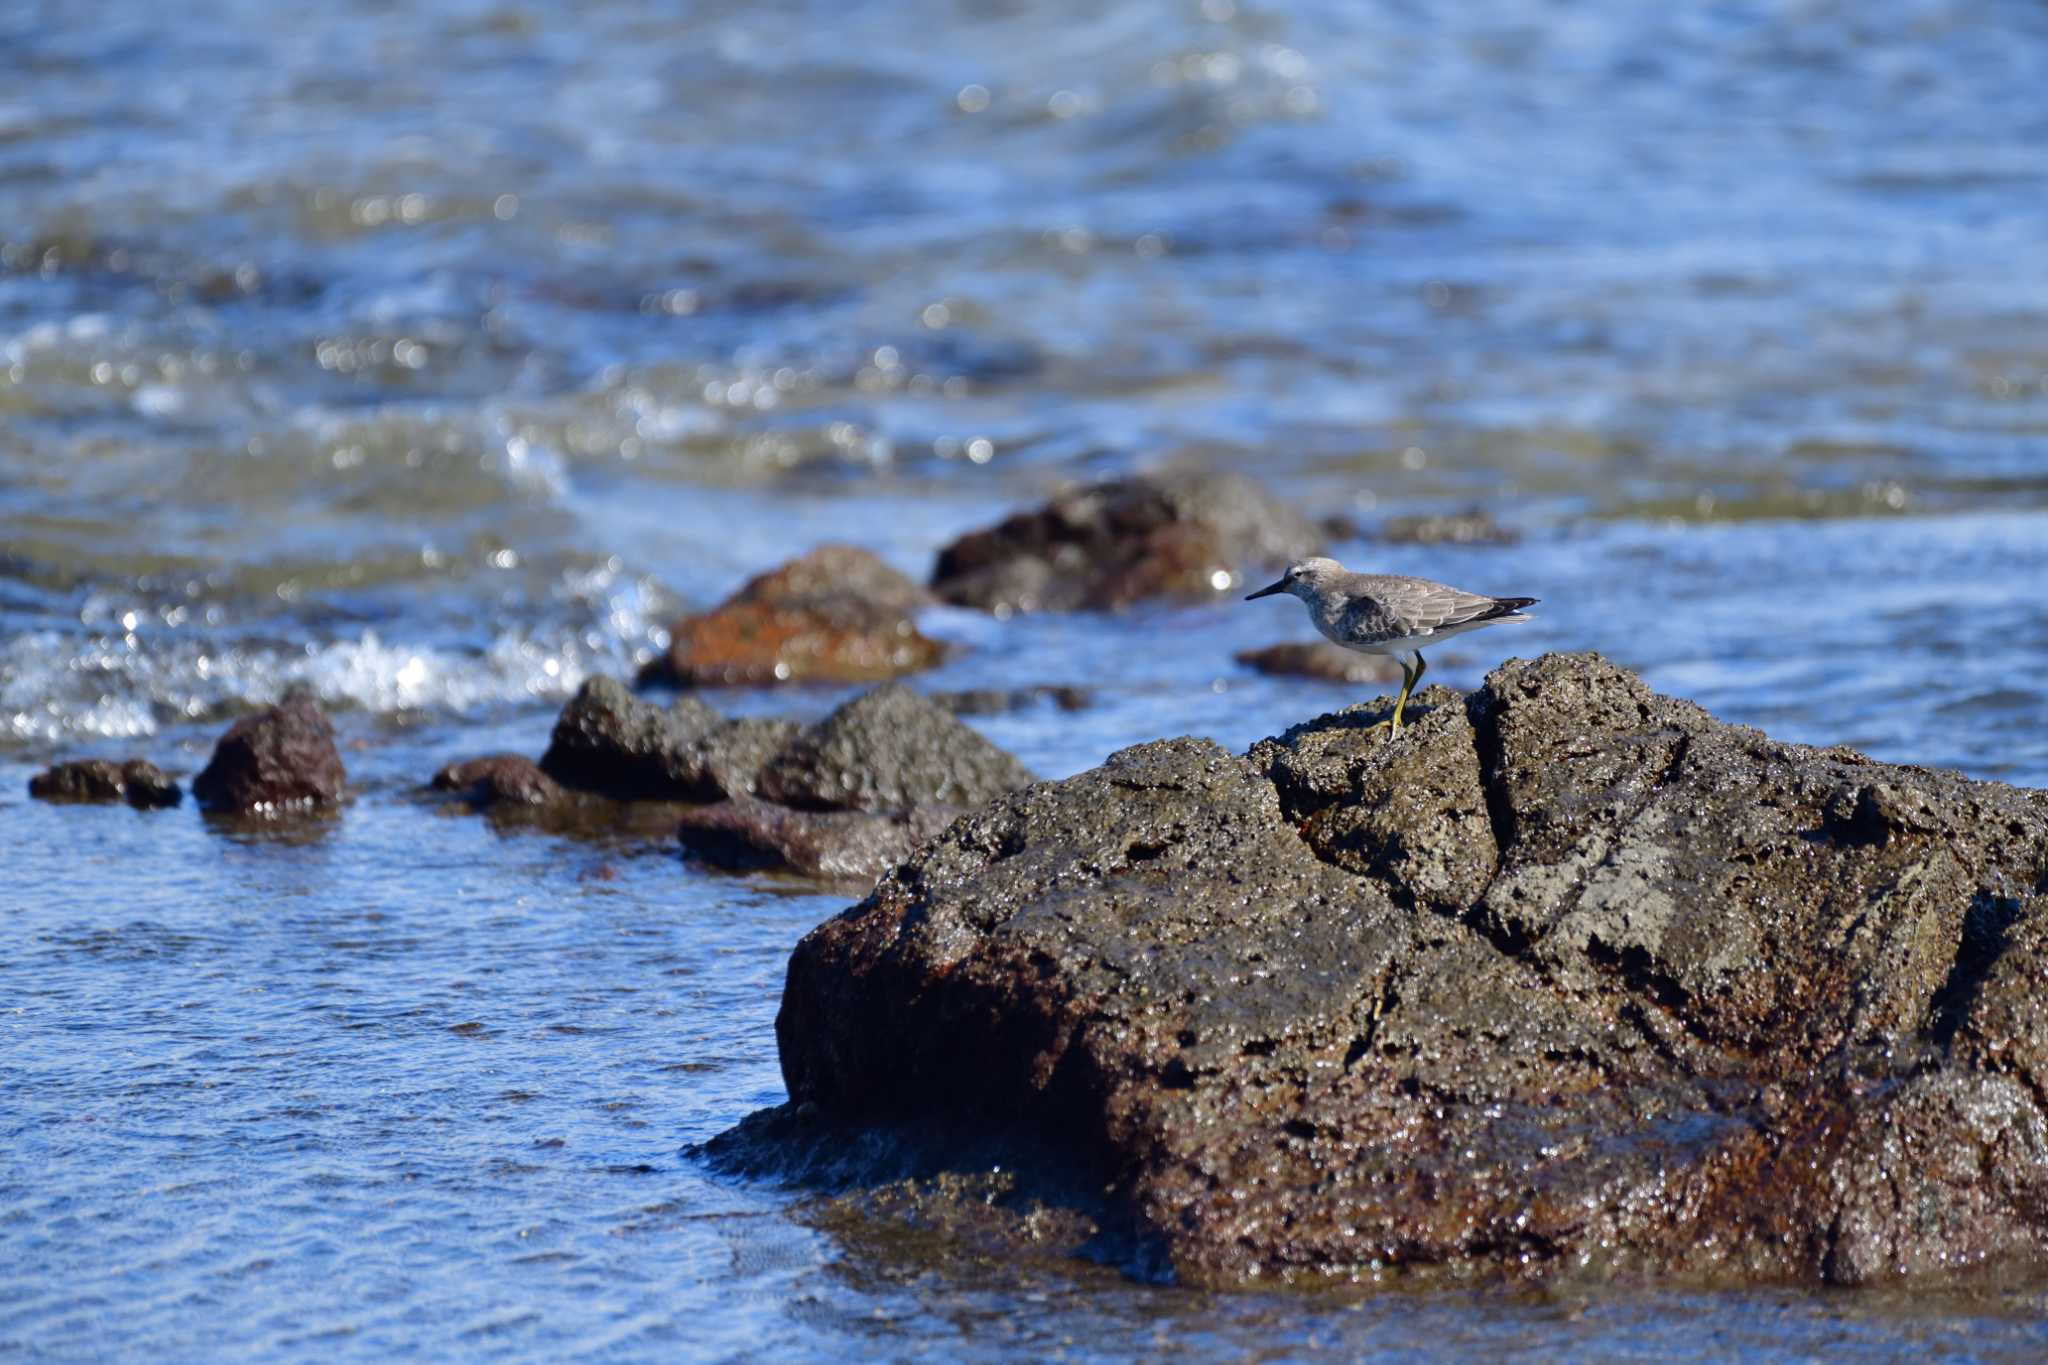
[(432, 356)]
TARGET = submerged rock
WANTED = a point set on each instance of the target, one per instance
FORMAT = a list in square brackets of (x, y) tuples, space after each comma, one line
[(1567, 977), (1112, 544), (1474, 526), (1321, 661), (139, 782), (837, 614), (280, 759)]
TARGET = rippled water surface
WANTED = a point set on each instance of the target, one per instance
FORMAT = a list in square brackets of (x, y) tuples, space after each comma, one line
[(433, 356)]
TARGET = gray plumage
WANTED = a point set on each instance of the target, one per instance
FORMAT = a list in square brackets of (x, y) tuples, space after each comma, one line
[(1391, 614)]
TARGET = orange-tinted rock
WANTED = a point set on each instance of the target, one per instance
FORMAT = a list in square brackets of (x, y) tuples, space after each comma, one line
[(838, 614)]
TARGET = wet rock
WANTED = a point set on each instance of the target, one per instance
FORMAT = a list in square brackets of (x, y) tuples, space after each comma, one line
[(836, 845), (499, 780), (139, 782), (889, 750), (1322, 661), (280, 759), (837, 614), (1112, 544), (1474, 526), (615, 744), (1567, 978)]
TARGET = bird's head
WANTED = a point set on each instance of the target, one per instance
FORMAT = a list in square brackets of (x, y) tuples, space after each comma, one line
[(1303, 578)]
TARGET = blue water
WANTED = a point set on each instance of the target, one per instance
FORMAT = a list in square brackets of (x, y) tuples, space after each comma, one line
[(434, 356)]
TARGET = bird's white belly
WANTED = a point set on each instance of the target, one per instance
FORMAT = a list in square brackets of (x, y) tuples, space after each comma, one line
[(1333, 628)]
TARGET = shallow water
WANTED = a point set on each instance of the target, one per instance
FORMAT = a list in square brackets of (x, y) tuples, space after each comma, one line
[(433, 356)]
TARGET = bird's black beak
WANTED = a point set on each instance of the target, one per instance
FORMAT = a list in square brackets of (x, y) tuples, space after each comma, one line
[(1281, 586)]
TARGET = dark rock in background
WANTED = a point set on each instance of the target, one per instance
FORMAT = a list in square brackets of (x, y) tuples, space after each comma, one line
[(1322, 661), (1566, 978), (837, 614), (1112, 544), (137, 781), (280, 759)]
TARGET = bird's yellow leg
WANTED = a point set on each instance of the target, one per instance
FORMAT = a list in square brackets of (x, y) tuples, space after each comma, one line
[(1392, 724), (1408, 684)]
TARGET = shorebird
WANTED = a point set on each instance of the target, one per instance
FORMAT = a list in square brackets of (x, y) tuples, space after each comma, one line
[(1383, 613)]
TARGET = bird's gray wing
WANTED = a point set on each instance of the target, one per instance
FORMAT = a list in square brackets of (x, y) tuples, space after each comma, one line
[(1423, 607)]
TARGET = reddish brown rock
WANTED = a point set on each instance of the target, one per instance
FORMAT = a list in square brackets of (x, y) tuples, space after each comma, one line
[(279, 760), (1112, 544), (1567, 979), (1322, 661), (140, 783), (838, 614)]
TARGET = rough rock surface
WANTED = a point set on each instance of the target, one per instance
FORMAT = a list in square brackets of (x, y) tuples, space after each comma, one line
[(1322, 661), (889, 750), (139, 782), (1111, 544), (836, 845), (1567, 978), (837, 614), (278, 760)]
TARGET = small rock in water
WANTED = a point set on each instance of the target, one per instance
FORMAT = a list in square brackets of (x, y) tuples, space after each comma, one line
[(1475, 526), (838, 614), (139, 782), (280, 759), (1112, 544), (1322, 661)]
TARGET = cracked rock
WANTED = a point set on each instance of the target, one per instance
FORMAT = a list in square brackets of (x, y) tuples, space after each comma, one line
[(1567, 978)]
